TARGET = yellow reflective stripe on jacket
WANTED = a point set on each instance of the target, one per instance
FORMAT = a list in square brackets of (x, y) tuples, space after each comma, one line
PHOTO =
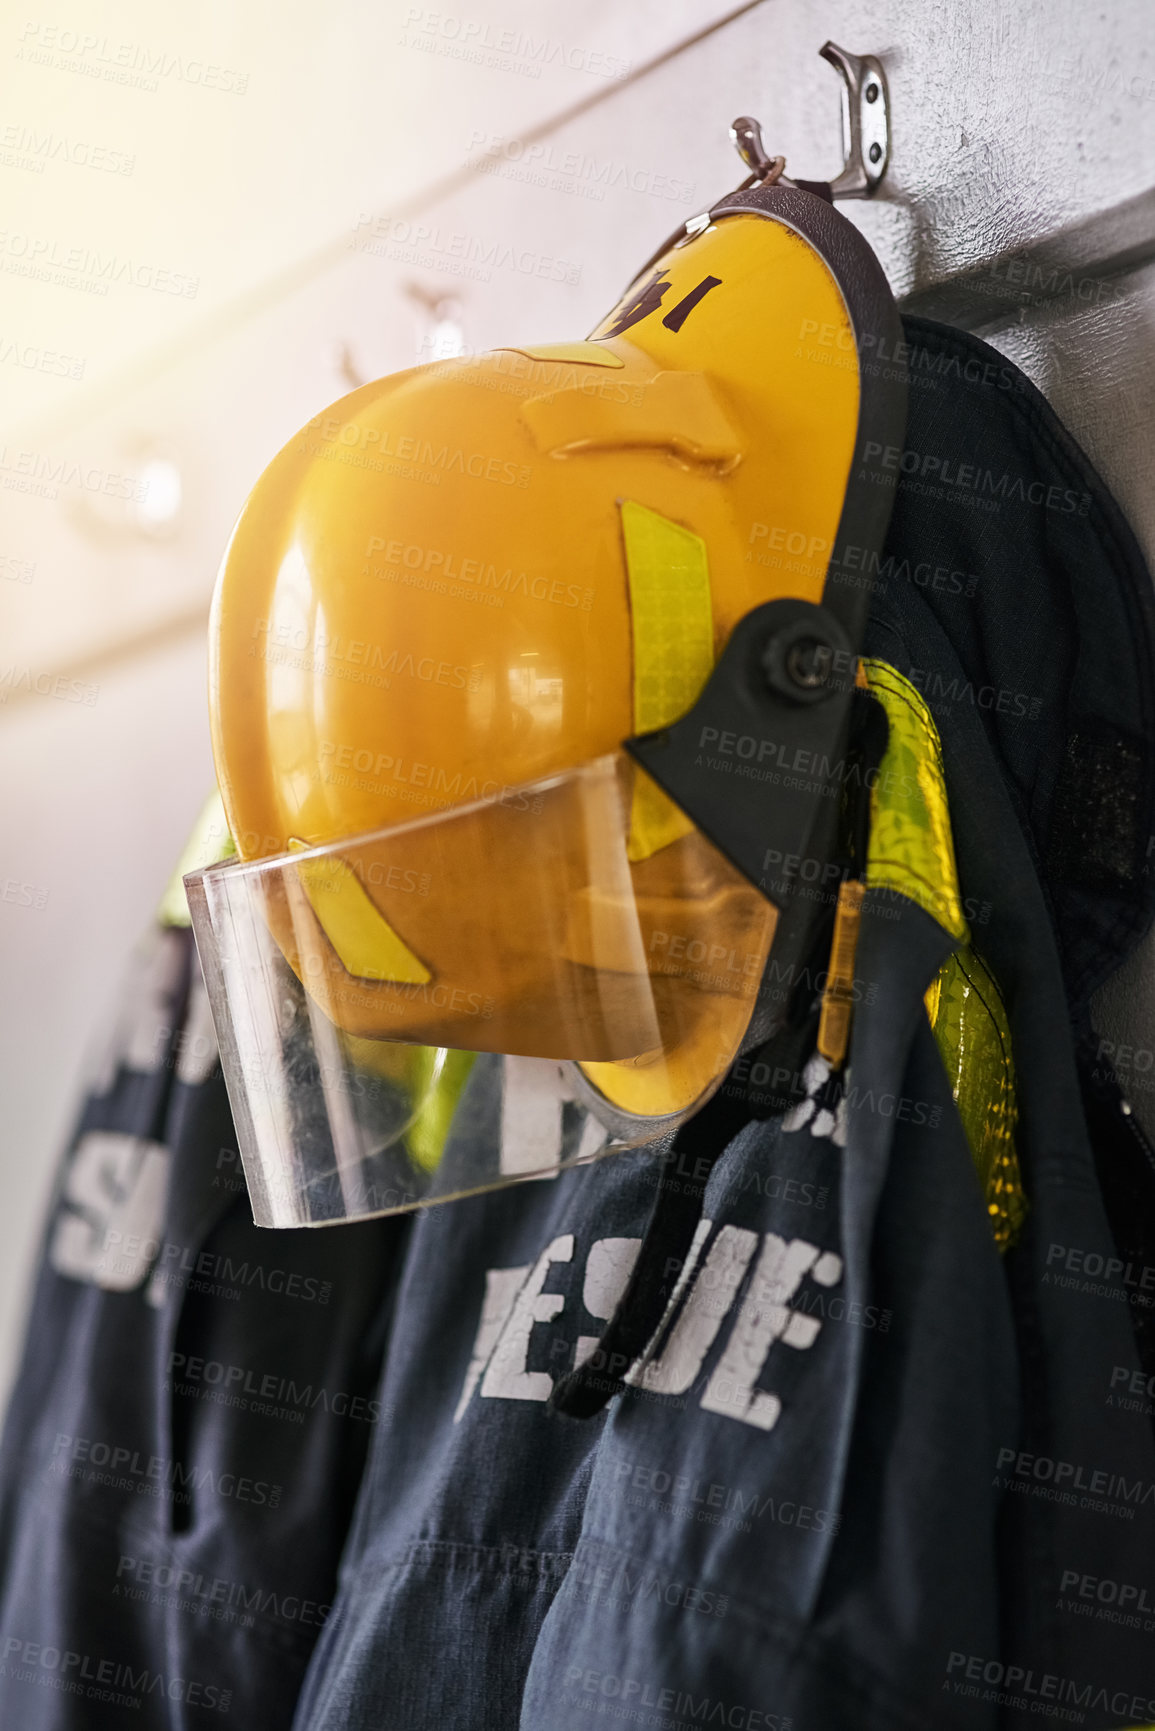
[(209, 843), (970, 1026), (427, 1135), (911, 847), (911, 852)]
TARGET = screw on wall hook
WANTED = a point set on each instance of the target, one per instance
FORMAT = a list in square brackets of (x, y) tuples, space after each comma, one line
[(865, 131)]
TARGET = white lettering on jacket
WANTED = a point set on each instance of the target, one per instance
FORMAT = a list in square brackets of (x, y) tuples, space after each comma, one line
[(110, 1221), (765, 1317), (515, 1303), (507, 1376), (502, 1286), (608, 1268), (710, 1298)]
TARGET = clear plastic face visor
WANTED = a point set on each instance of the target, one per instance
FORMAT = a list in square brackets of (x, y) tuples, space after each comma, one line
[(579, 918)]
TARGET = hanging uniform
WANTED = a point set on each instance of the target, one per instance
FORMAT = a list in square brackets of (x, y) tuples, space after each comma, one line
[(881, 1467), (188, 1425), (807, 1410)]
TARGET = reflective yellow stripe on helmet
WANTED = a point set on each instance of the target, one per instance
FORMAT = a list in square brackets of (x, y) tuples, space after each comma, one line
[(364, 940), (672, 619)]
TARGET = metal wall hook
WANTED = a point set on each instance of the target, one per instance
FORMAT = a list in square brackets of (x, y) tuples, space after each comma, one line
[(865, 121), (865, 130), (865, 138), (746, 136)]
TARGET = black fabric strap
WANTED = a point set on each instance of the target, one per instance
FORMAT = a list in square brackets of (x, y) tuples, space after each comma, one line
[(686, 1170), (764, 1083)]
